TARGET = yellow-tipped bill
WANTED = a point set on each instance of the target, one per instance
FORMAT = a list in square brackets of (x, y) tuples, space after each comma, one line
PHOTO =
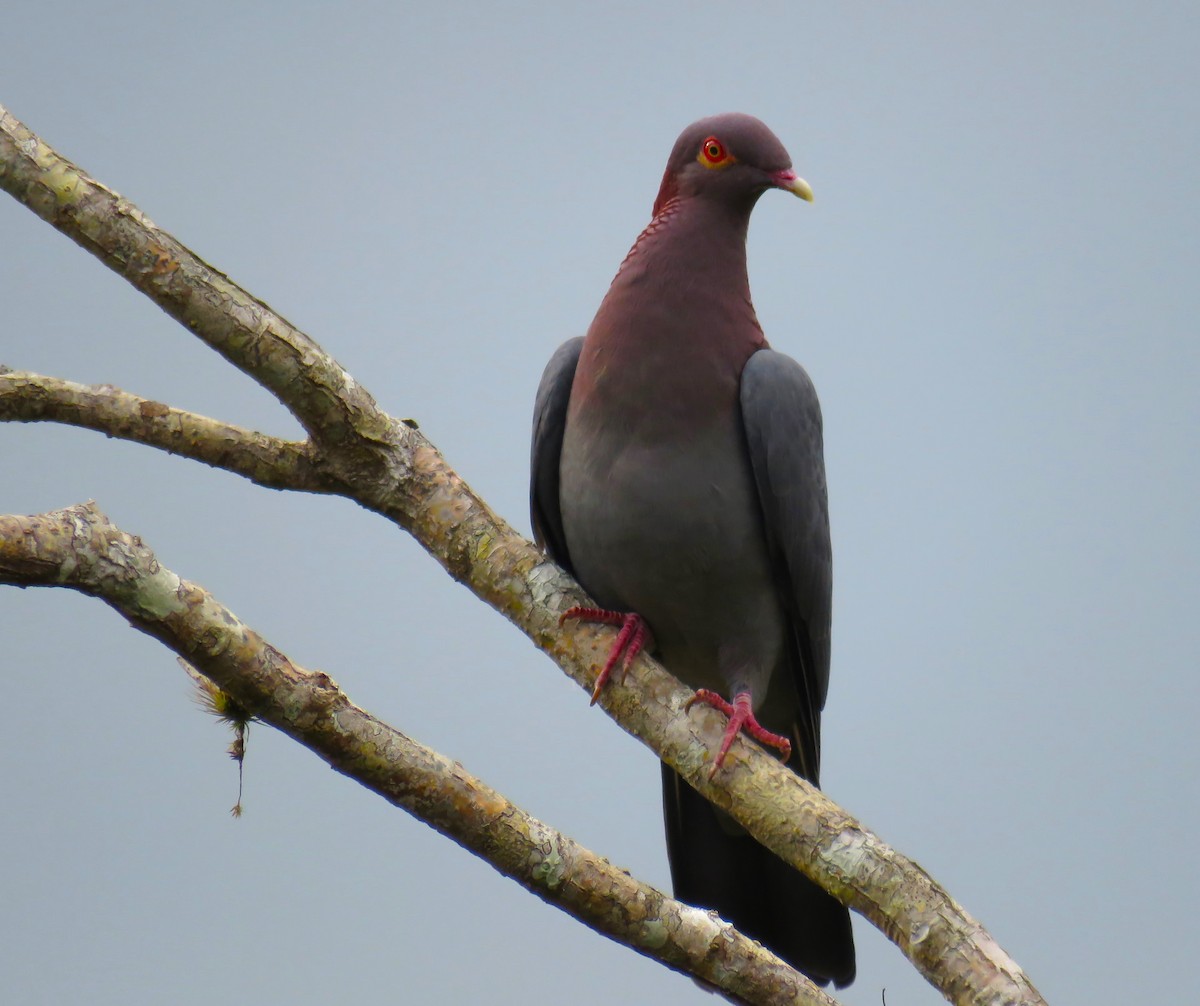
[(789, 181)]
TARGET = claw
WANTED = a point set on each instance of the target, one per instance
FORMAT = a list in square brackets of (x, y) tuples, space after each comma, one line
[(629, 642), (741, 717)]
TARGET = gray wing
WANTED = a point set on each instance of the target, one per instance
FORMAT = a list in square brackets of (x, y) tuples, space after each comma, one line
[(711, 865), (549, 423), (782, 421)]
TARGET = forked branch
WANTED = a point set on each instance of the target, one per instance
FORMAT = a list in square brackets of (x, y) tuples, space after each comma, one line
[(357, 450)]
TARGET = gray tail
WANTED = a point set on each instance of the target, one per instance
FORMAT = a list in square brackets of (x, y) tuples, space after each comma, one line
[(716, 865)]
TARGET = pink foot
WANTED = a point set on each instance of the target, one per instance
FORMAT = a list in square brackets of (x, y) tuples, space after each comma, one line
[(630, 640), (741, 717)]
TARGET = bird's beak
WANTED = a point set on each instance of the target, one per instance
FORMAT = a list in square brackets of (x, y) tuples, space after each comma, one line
[(789, 181)]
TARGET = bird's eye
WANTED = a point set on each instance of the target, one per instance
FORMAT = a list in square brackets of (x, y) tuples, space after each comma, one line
[(713, 152)]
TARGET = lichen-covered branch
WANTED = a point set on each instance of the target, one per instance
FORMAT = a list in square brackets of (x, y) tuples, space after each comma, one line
[(80, 549), (390, 467), (256, 340), (269, 461)]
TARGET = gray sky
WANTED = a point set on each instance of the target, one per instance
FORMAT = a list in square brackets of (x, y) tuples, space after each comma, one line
[(995, 293)]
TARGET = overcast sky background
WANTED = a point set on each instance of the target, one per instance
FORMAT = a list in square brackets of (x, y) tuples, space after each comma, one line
[(995, 293)]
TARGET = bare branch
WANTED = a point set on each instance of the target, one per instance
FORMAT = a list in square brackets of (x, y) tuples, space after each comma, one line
[(391, 468), (80, 549), (269, 461), (310, 383)]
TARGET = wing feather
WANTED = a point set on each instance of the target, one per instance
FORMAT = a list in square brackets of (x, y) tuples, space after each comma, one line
[(781, 417), (549, 424)]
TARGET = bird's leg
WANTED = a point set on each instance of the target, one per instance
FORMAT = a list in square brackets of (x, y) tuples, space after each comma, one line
[(741, 717), (630, 641)]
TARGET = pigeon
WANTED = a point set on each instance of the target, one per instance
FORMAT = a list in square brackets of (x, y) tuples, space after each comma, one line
[(678, 474)]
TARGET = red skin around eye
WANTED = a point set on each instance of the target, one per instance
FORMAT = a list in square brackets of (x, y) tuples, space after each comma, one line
[(713, 150)]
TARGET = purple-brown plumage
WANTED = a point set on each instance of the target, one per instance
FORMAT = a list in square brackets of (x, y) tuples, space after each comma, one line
[(678, 473)]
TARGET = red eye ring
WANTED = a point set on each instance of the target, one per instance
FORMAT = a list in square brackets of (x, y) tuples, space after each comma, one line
[(713, 150)]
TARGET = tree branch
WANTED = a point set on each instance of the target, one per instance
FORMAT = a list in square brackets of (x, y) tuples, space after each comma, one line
[(268, 461), (80, 549), (244, 330), (391, 468)]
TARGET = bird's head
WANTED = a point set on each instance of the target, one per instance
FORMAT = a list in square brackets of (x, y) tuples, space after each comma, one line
[(732, 158)]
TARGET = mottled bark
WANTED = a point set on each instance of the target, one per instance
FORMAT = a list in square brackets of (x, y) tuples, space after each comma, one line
[(389, 467), (268, 461), (78, 548)]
